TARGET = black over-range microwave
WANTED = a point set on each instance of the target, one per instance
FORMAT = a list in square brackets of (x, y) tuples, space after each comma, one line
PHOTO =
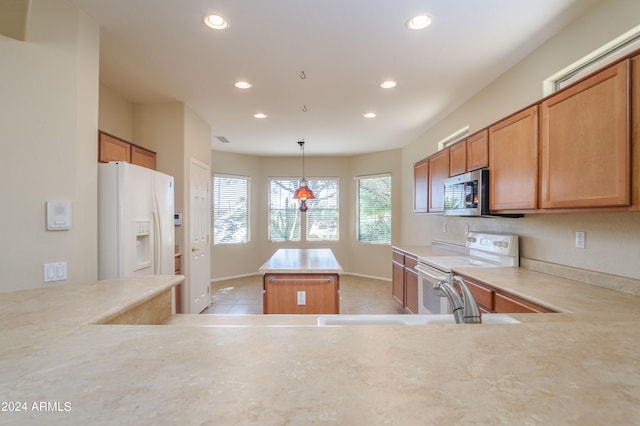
[(467, 194)]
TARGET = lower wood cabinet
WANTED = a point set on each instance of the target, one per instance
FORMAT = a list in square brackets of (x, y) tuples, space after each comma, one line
[(397, 284), (405, 280), (493, 300), (410, 285), (301, 294), (512, 305)]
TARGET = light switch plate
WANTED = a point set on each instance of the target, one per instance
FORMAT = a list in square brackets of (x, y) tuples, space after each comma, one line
[(55, 271)]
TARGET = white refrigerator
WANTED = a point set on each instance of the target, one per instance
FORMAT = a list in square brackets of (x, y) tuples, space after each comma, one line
[(135, 221)]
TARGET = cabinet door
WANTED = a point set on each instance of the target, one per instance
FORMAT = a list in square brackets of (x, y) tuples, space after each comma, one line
[(513, 161), (585, 143), (398, 282), (478, 150), (458, 158), (420, 186), (411, 290), (438, 172), (143, 157), (111, 148)]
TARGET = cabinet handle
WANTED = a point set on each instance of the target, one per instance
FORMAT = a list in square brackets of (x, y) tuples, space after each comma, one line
[(194, 249)]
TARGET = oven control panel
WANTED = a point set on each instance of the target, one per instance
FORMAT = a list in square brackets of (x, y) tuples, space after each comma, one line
[(501, 244)]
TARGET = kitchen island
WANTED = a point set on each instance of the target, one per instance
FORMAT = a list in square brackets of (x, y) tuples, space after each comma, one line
[(301, 281), (581, 367)]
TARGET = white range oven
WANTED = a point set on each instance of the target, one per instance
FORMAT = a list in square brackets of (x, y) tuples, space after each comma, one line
[(482, 250)]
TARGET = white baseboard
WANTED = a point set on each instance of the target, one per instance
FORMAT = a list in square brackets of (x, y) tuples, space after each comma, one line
[(213, 280), (232, 277)]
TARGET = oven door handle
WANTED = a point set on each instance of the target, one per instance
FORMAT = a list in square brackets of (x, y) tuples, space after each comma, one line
[(422, 270)]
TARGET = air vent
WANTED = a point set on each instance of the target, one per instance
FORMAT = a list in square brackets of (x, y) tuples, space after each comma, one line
[(223, 139)]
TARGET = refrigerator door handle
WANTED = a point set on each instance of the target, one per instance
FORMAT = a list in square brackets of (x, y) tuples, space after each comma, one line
[(157, 243)]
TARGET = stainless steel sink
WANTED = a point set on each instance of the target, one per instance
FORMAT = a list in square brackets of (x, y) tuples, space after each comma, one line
[(340, 320)]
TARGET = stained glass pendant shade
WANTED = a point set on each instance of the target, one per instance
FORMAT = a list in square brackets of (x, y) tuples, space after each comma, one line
[(303, 193)]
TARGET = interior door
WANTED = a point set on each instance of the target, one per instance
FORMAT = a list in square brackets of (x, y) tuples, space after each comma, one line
[(199, 236)]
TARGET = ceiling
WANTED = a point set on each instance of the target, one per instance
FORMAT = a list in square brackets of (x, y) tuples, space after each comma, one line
[(160, 50)]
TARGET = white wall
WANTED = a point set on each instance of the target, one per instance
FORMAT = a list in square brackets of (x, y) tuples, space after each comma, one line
[(49, 86), (612, 238)]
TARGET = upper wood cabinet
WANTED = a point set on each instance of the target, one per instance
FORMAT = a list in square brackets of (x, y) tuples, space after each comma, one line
[(143, 157), (585, 143), (421, 186), (513, 161), (458, 158), (469, 154), (438, 172), (111, 148), (478, 150)]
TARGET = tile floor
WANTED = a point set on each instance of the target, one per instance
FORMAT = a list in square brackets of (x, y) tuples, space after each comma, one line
[(357, 296)]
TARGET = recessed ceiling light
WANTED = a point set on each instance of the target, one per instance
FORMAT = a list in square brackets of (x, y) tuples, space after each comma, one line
[(369, 115), (388, 84), (216, 22), (242, 84), (419, 22), (260, 115)]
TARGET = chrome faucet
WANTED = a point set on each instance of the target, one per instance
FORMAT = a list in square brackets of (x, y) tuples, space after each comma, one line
[(465, 309)]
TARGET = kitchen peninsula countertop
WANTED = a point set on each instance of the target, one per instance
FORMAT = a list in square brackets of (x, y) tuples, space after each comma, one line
[(569, 369)]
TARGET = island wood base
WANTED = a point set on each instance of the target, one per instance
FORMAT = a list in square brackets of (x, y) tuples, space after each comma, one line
[(321, 293)]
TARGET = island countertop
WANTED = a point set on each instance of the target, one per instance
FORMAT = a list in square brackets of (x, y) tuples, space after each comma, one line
[(302, 261)]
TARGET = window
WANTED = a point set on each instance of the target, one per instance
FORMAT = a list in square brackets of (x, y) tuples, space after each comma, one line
[(230, 209), (320, 222), (322, 216), (374, 209), (284, 216), (605, 55)]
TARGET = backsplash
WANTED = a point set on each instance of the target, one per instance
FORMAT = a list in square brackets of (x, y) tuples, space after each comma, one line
[(612, 239)]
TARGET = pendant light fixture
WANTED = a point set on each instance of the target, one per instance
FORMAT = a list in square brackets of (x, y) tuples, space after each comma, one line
[(303, 193)]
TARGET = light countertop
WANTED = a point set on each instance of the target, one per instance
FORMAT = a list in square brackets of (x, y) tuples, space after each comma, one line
[(301, 261), (573, 368)]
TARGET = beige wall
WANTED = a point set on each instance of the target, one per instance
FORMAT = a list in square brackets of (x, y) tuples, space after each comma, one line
[(612, 239), (230, 260), (48, 131), (115, 114)]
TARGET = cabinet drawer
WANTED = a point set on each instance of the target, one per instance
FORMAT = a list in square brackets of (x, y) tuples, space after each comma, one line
[(508, 305), (410, 262), (483, 296), (398, 257)]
